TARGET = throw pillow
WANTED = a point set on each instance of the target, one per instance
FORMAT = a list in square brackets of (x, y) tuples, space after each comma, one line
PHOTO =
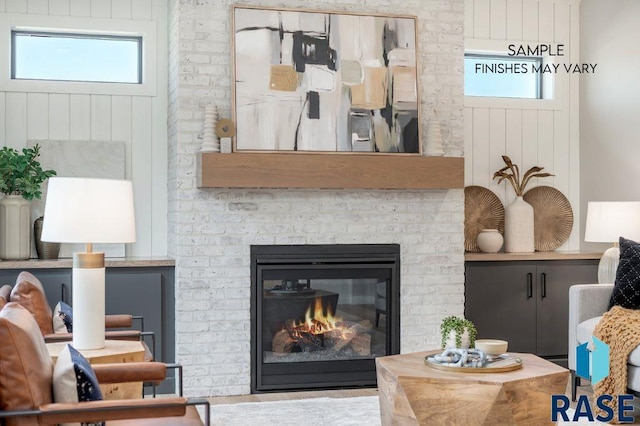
[(26, 369), (74, 380), (62, 318), (29, 292), (626, 291)]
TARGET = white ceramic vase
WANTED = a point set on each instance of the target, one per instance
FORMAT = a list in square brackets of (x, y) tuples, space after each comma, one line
[(15, 228), (465, 341), (518, 227), (490, 241)]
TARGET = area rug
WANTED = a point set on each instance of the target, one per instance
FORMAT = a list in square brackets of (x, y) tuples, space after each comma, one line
[(356, 411)]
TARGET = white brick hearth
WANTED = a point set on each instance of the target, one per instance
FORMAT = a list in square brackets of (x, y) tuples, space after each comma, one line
[(210, 231)]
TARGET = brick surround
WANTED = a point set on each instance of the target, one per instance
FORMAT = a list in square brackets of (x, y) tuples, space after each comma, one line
[(210, 231)]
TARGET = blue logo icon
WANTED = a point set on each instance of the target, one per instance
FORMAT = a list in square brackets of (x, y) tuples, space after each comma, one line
[(594, 361)]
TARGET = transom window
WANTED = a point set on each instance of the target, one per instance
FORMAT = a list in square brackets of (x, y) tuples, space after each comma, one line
[(37, 55), (502, 76)]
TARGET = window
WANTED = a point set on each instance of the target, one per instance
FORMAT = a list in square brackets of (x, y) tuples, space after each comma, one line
[(76, 57), (502, 76)]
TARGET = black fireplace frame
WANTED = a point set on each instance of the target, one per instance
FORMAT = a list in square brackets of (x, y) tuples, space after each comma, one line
[(322, 374)]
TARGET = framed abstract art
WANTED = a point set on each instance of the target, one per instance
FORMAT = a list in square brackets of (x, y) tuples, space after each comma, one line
[(313, 81)]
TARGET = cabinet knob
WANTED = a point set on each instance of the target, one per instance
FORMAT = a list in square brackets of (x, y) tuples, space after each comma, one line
[(529, 285), (543, 285)]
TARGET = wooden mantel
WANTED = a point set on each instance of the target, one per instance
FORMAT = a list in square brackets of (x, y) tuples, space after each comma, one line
[(294, 170)]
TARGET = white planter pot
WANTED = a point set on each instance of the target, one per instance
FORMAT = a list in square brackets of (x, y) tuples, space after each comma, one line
[(465, 341), (490, 241), (518, 227), (15, 228)]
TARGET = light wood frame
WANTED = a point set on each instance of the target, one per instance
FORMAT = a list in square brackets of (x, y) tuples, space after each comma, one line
[(409, 111)]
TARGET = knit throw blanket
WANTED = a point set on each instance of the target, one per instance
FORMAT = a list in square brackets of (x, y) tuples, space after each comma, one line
[(620, 329)]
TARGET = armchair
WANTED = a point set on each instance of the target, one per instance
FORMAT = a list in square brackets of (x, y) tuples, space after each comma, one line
[(587, 304), (29, 293), (26, 384)]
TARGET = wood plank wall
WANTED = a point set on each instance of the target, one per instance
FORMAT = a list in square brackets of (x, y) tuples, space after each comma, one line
[(139, 121), (544, 134)]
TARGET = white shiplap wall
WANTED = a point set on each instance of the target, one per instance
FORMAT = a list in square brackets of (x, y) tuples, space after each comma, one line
[(139, 121), (543, 133)]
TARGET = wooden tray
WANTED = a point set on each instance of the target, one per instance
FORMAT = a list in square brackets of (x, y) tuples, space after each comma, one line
[(488, 369)]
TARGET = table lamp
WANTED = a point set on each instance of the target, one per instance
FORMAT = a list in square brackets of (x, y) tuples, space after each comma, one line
[(606, 223), (86, 210)]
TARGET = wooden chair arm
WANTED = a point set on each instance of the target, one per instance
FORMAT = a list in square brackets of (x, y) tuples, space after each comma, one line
[(113, 335), (122, 335), (96, 411), (118, 321), (130, 372), (58, 337)]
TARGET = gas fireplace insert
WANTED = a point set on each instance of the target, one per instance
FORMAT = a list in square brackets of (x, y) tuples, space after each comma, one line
[(321, 314)]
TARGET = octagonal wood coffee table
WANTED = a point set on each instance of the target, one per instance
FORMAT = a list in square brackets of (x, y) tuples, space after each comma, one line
[(412, 393)]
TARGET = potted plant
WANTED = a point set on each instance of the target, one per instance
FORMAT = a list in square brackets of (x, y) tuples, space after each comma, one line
[(21, 178), (457, 332)]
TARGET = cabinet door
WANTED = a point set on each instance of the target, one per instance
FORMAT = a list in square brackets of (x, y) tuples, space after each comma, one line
[(500, 298), (554, 280), (136, 293)]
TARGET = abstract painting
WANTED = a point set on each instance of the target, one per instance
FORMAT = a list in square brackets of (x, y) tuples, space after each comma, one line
[(323, 81)]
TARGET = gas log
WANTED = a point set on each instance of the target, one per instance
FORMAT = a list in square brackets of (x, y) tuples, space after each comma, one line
[(315, 337)]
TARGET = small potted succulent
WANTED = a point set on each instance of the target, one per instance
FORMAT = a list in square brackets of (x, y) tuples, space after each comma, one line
[(457, 332)]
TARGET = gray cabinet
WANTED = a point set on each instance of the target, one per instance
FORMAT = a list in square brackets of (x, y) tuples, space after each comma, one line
[(148, 292), (525, 302), (142, 291)]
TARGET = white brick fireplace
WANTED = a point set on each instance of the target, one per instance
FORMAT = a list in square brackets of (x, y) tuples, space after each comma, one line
[(210, 231)]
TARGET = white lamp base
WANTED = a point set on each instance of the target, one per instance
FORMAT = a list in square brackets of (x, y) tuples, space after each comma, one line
[(88, 308), (608, 265)]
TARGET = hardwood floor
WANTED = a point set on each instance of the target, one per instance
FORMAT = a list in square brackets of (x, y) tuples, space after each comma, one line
[(280, 396), (585, 389)]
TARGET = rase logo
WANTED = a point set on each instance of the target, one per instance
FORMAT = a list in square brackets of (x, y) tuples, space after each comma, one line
[(598, 360), (592, 365)]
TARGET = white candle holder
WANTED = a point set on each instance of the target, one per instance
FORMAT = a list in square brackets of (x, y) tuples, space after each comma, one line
[(210, 141)]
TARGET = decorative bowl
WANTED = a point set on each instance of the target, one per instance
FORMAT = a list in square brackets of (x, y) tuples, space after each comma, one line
[(492, 347)]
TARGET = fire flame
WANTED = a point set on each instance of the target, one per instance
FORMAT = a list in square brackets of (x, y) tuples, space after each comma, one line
[(316, 321)]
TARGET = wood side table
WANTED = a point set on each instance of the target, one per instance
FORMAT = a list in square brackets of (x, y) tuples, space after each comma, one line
[(115, 351), (412, 393)]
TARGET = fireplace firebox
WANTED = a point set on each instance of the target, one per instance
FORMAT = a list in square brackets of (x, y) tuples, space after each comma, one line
[(321, 314)]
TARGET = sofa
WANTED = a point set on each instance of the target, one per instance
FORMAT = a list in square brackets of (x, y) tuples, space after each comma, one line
[(587, 304)]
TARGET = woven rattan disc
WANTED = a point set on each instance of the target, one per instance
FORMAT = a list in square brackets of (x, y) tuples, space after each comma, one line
[(482, 210), (552, 217)]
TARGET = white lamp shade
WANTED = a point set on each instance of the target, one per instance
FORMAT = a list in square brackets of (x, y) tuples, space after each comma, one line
[(608, 221), (86, 210)]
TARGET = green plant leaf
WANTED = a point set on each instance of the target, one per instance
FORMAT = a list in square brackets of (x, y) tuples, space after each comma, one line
[(21, 173), (458, 325)]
